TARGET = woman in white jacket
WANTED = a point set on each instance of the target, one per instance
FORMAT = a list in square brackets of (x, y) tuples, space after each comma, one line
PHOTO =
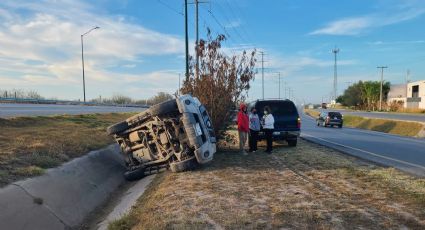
[(268, 127)]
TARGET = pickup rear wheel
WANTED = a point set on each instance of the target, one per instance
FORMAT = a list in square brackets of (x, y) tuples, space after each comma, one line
[(117, 128), (185, 165), (163, 108), (292, 143)]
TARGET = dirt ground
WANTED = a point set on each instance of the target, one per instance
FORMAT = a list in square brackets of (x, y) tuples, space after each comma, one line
[(308, 186)]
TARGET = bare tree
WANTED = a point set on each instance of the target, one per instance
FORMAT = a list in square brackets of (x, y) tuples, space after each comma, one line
[(223, 80)]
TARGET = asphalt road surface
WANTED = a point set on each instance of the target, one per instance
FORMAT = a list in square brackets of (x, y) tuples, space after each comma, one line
[(16, 110), (404, 153), (384, 115)]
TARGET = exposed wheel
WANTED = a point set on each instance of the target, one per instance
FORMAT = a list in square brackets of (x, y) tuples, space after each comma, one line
[(185, 165), (135, 174), (117, 128), (292, 143), (318, 124), (164, 108), (340, 126)]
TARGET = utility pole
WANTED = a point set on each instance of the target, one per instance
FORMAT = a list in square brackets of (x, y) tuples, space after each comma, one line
[(262, 72), (289, 93), (335, 51), (197, 40), (186, 40), (284, 87), (407, 76), (179, 85), (382, 79), (279, 84)]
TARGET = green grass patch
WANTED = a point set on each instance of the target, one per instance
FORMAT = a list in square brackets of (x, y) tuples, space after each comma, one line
[(403, 128), (29, 171), (28, 145)]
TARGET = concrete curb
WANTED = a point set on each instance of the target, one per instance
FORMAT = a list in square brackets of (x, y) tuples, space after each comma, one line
[(126, 202), (63, 197)]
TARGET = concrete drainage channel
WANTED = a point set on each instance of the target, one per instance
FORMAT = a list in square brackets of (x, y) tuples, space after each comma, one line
[(64, 197)]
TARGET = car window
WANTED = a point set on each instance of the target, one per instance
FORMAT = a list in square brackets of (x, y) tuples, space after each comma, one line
[(335, 114), (278, 107)]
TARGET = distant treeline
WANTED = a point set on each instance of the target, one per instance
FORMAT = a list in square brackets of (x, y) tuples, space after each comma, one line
[(115, 99), (20, 94), (125, 100)]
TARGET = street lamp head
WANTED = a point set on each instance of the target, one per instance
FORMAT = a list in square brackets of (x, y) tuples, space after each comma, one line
[(94, 28)]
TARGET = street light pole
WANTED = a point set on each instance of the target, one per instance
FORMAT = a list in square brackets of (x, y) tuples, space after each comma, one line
[(82, 59), (179, 85)]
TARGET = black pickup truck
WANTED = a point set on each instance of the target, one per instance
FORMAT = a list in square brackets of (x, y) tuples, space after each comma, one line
[(287, 124)]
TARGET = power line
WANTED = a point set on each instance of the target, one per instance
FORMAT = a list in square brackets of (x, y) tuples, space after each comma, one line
[(229, 22), (170, 8), (216, 20)]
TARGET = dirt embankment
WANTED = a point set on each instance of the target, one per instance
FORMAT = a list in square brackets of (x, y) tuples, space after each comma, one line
[(29, 145)]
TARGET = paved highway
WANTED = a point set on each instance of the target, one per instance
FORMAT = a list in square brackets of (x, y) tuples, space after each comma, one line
[(384, 115), (15, 110), (407, 154)]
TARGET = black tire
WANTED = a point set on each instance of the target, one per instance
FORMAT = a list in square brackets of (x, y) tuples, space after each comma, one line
[(135, 174), (318, 124), (163, 108), (292, 143), (185, 165), (340, 126), (117, 128)]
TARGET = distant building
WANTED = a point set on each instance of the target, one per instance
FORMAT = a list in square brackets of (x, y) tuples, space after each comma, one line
[(398, 93), (412, 94), (416, 95)]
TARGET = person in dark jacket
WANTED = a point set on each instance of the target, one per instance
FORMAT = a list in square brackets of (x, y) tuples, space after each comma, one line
[(243, 127), (254, 128)]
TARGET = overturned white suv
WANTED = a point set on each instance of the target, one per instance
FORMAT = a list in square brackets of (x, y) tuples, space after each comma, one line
[(175, 134)]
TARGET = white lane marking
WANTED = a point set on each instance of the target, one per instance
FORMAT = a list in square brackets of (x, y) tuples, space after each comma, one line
[(373, 154)]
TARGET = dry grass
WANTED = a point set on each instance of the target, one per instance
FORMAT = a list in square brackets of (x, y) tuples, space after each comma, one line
[(410, 110), (309, 186), (311, 112), (28, 145), (403, 128)]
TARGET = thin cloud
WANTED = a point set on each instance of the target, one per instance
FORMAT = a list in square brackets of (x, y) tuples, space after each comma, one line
[(396, 42), (361, 24)]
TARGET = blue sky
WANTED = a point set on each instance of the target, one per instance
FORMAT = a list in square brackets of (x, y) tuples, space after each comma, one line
[(139, 48)]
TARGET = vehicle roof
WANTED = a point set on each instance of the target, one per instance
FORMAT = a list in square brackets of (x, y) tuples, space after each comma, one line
[(271, 99), (330, 112)]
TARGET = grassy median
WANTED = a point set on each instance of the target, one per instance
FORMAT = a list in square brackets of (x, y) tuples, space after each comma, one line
[(403, 128), (29, 145), (307, 187)]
